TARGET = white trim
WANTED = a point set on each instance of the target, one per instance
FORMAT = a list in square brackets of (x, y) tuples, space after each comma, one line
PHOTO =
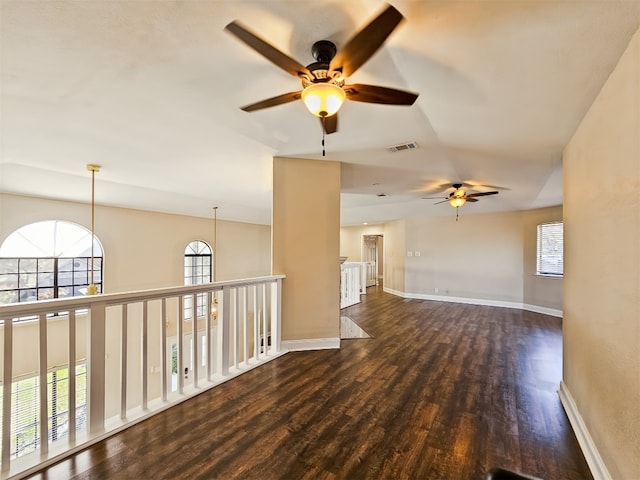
[(477, 301), (545, 310), (397, 293), (310, 344), (472, 301), (589, 449)]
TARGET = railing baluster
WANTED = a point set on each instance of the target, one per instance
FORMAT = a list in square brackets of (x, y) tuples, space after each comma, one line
[(223, 332), (145, 355), (276, 309), (236, 328), (44, 404), (72, 376), (207, 333), (256, 324), (96, 368), (194, 341), (163, 349), (265, 333), (245, 334), (124, 335), (180, 319), (7, 380)]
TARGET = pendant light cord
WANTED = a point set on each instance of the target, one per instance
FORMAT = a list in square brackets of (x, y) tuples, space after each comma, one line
[(215, 242), (93, 217), (91, 288)]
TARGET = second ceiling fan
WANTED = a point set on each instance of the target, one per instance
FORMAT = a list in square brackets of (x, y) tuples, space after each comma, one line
[(458, 197), (323, 82)]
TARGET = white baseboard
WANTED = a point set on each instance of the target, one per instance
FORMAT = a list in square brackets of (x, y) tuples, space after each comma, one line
[(397, 293), (589, 450), (310, 344), (477, 301), (471, 301), (553, 312)]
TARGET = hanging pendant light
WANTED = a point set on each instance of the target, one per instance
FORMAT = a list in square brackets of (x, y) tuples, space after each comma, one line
[(92, 289)]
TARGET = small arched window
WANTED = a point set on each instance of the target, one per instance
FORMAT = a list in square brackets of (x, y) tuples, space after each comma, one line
[(198, 262), (50, 259)]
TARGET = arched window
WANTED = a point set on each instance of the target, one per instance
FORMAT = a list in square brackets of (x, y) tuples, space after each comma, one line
[(198, 261), (50, 259)]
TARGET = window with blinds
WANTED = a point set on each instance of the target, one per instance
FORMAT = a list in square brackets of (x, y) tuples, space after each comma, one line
[(550, 249), (25, 434)]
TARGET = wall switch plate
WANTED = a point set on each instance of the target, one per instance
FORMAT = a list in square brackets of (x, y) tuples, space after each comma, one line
[(417, 254), (409, 254)]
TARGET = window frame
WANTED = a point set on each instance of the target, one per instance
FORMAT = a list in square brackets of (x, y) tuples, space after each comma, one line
[(548, 238), (195, 254), (55, 285)]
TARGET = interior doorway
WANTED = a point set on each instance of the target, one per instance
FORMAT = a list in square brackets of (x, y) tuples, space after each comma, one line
[(372, 249)]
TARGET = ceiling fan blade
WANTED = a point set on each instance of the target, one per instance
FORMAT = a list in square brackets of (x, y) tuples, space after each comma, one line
[(471, 199), (272, 102), (480, 194), (330, 124), (268, 51), (375, 94), (434, 198), (443, 201), (366, 42)]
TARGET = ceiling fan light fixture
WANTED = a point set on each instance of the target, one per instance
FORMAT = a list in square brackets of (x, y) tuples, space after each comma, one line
[(323, 99), (458, 198), (457, 202)]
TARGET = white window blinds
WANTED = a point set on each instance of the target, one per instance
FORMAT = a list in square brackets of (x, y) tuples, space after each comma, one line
[(550, 249)]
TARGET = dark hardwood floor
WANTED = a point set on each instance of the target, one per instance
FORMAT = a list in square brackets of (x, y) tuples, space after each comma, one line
[(441, 391)]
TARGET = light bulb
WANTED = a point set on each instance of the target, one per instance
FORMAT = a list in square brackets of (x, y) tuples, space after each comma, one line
[(323, 99)]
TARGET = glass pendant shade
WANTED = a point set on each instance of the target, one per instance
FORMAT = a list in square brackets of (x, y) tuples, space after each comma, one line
[(457, 202), (323, 99), (457, 199)]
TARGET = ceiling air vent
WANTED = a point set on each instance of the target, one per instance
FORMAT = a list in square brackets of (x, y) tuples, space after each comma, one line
[(403, 146)]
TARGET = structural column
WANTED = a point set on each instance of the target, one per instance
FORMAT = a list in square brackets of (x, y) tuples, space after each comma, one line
[(306, 248)]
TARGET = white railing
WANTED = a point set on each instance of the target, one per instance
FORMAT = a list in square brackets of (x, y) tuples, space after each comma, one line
[(141, 354), (350, 283)]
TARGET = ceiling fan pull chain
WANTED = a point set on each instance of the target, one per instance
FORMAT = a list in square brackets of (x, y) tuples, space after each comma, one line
[(323, 130), (457, 212)]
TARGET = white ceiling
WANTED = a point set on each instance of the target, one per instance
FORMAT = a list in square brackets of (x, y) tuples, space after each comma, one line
[(151, 91)]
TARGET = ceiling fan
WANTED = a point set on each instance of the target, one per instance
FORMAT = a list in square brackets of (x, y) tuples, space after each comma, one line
[(458, 197), (323, 82)]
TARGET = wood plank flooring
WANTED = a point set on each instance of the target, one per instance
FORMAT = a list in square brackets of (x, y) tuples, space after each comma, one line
[(441, 391)]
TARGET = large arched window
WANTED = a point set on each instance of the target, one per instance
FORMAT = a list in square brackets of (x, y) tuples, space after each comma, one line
[(198, 261), (50, 259)]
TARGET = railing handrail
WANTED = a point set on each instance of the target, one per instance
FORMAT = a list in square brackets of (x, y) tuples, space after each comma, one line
[(16, 310)]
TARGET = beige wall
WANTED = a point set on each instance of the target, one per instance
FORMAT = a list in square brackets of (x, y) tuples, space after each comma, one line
[(351, 240), (539, 291), (306, 246), (488, 257), (395, 247), (478, 257), (143, 249), (602, 265)]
